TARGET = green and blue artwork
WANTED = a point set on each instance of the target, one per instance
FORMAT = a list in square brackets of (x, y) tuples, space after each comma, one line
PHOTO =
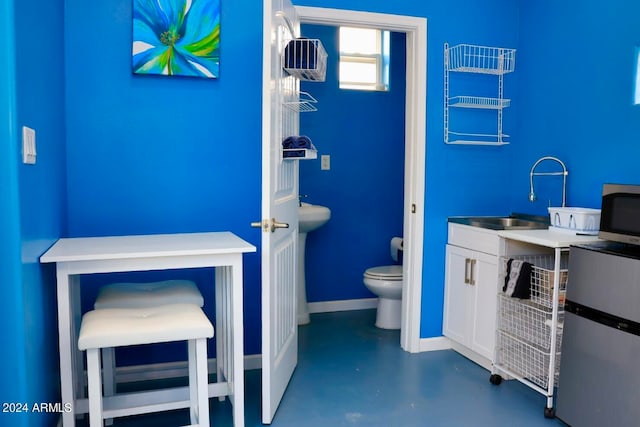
[(176, 37)]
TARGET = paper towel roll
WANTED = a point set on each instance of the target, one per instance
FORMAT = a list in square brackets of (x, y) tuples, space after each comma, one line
[(396, 249)]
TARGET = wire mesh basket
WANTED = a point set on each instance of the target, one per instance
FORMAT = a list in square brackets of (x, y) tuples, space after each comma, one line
[(543, 278), (529, 322), (306, 59), (526, 360), (481, 59)]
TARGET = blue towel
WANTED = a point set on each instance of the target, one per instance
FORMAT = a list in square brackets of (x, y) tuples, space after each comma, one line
[(296, 145), (297, 142), (289, 142)]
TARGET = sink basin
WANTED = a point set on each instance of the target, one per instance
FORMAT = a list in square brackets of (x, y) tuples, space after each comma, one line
[(512, 222), (312, 217)]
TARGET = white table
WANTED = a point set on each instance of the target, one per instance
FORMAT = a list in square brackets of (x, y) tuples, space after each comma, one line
[(86, 255)]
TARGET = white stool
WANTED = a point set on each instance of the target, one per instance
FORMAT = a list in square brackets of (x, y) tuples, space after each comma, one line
[(134, 295), (116, 327), (140, 295)]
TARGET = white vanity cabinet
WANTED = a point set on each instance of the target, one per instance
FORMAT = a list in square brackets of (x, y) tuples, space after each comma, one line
[(470, 293)]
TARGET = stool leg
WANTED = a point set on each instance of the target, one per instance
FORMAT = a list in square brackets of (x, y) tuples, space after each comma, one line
[(109, 371), (193, 382), (95, 387), (199, 388), (219, 322), (109, 374), (203, 382)]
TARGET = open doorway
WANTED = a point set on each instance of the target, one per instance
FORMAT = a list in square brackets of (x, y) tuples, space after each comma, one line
[(415, 144)]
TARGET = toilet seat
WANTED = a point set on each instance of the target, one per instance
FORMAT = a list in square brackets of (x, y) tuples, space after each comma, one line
[(385, 272)]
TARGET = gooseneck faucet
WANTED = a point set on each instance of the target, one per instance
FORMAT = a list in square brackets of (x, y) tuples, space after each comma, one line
[(564, 173)]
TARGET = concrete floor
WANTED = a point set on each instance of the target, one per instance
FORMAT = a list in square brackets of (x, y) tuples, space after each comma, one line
[(352, 374)]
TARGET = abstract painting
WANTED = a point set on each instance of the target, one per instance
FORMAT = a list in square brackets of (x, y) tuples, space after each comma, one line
[(176, 37)]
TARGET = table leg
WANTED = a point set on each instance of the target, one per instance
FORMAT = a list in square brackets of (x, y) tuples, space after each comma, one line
[(235, 288), (219, 325), (66, 331)]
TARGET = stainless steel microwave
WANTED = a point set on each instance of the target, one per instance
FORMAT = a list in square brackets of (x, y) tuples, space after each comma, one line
[(620, 214)]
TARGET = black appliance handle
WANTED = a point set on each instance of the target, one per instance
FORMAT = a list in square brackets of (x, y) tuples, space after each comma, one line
[(606, 319)]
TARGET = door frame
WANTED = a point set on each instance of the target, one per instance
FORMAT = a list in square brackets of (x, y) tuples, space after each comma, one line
[(415, 147)]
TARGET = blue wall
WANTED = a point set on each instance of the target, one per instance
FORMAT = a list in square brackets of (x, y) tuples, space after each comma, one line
[(575, 97), (155, 154), (33, 203), (13, 385), (364, 134)]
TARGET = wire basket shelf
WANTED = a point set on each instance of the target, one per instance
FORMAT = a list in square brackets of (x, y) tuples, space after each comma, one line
[(528, 321), (481, 59), (306, 59), (479, 102), (543, 278), (305, 103), (525, 360)]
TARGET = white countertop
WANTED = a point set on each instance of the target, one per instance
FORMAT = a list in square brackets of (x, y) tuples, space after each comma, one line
[(145, 246), (547, 238)]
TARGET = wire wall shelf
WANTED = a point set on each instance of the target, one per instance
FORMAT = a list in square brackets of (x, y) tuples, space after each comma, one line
[(304, 104), (478, 102), (469, 58), (461, 138)]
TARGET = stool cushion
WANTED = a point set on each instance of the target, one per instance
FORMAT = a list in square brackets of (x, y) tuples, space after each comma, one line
[(115, 327), (132, 295)]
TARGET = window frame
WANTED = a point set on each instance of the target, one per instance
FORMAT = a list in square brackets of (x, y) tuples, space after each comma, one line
[(378, 59)]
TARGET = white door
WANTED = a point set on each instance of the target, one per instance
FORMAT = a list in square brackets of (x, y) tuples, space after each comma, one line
[(457, 307), (279, 208)]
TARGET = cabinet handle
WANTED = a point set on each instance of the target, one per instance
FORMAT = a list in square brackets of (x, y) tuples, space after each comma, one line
[(472, 280), (466, 271)]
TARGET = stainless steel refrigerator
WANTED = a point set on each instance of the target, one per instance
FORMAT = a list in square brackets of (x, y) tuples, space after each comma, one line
[(599, 382)]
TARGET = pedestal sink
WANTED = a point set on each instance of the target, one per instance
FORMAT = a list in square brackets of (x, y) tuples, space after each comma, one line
[(311, 217)]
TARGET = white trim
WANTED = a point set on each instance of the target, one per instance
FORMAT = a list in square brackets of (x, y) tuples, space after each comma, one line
[(435, 344), (415, 144), (343, 305)]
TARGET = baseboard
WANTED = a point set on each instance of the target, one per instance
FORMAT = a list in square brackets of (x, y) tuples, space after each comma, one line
[(343, 305), (434, 344)]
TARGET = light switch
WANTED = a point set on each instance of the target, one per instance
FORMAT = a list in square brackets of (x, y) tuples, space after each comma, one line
[(325, 162), (28, 146)]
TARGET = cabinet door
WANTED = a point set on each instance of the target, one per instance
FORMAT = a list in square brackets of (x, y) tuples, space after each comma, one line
[(457, 302), (485, 291)]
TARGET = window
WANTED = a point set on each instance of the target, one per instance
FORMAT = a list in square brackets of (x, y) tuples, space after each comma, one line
[(636, 95), (364, 59)]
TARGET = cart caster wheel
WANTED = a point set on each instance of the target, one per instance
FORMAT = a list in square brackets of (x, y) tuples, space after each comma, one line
[(549, 412), (495, 379)]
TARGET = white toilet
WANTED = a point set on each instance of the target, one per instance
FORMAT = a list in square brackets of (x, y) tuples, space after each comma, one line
[(386, 283)]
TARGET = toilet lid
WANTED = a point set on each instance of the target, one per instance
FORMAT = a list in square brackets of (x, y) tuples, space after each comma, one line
[(388, 272)]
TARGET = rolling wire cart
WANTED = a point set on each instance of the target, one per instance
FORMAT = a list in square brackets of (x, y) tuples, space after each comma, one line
[(529, 331)]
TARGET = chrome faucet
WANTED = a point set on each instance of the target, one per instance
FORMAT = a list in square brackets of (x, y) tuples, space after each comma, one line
[(564, 173)]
